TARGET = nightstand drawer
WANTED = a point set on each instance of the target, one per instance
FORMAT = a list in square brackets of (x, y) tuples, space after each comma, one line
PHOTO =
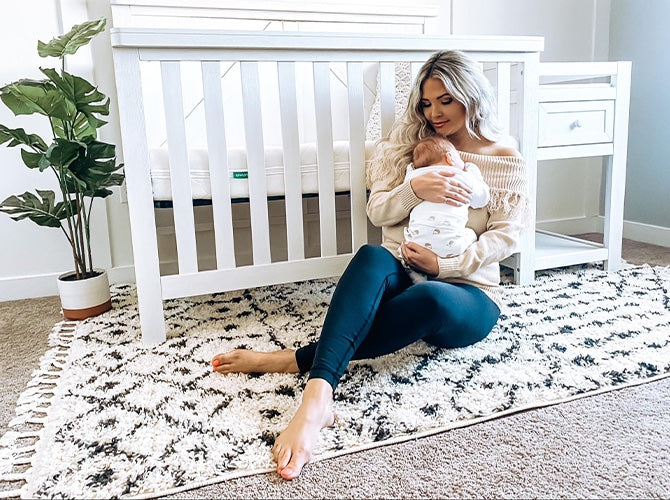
[(575, 122)]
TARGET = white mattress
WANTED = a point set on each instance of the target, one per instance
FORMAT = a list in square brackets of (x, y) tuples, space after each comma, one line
[(237, 161)]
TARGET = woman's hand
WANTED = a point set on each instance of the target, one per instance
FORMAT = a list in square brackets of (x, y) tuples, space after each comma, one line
[(439, 187), (420, 258)]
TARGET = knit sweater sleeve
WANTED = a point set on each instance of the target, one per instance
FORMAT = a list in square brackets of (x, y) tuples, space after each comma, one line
[(507, 209), (389, 206)]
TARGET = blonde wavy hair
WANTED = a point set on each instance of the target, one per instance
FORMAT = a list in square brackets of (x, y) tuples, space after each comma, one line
[(466, 83)]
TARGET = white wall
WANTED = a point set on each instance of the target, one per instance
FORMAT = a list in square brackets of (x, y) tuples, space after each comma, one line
[(26, 248), (20, 59), (568, 26)]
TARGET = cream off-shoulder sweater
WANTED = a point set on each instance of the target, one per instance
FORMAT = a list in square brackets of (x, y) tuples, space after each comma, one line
[(497, 225)]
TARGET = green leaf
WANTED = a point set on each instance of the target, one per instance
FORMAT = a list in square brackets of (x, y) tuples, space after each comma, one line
[(101, 150), (33, 160), (21, 96), (26, 97), (69, 43), (74, 184), (87, 99), (40, 208), (63, 152), (18, 136), (100, 193), (83, 128), (95, 169)]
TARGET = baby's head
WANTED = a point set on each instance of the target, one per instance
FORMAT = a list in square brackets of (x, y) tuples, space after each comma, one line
[(435, 150)]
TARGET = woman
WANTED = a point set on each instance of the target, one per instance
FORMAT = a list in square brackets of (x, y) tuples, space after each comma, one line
[(376, 309)]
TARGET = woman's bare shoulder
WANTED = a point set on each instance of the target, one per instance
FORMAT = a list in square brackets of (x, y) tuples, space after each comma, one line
[(502, 149), (508, 151), (491, 148)]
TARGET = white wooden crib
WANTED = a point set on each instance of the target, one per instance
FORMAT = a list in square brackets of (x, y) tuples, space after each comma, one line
[(179, 56)]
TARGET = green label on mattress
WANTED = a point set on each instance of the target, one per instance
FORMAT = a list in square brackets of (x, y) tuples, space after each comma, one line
[(240, 174)]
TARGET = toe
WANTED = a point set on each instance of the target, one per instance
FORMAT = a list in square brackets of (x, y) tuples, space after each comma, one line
[(288, 473), (282, 457), (295, 465)]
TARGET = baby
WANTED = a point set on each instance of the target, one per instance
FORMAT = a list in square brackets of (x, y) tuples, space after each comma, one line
[(441, 227)]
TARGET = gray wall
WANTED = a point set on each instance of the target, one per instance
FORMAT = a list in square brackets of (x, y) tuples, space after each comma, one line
[(639, 33)]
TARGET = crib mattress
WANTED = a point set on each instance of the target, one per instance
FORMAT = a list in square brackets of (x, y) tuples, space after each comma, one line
[(238, 171)]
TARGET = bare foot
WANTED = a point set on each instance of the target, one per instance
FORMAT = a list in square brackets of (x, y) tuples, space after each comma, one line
[(293, 448), (244, 361)]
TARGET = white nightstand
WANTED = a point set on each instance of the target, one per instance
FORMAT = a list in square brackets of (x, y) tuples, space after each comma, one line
[(575, 120)]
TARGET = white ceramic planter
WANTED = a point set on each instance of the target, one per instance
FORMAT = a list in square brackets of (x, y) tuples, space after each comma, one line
[(81, 299)]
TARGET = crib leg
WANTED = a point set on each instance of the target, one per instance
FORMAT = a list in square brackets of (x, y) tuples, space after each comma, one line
[(147, 277), (147, 272), (152, 320)]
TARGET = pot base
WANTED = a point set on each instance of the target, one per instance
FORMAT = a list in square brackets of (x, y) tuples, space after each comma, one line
[(78, 314)]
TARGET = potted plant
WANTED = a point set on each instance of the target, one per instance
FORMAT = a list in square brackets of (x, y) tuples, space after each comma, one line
[(85, 168)]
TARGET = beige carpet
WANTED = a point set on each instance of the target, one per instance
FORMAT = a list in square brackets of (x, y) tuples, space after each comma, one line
[(615, 445)]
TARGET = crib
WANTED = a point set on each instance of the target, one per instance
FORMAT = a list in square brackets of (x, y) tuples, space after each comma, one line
[(323, 97)]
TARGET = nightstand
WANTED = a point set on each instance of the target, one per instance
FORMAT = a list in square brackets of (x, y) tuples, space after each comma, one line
[(582, 113)]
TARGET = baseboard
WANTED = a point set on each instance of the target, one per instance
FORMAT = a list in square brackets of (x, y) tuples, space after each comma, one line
[(637, 231), (647, 233), (28, 287)]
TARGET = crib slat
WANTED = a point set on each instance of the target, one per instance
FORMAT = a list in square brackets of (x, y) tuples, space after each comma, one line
[(359, 226), (253, 134), (324, 137), (180, 179), (504, 96), (290, 141), (218, 165), (386, 96)]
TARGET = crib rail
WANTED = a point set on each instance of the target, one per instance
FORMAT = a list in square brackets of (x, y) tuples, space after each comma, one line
[(213, 52)]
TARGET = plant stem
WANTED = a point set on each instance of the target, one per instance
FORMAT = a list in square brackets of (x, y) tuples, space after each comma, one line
[(87, 218), (72, 237), (80, 227)]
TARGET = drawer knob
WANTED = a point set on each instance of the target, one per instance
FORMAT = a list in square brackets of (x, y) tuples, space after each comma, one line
[(575, 125)]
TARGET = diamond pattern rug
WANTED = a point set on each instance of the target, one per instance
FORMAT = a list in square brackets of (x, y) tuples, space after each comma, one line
[(105, 416)]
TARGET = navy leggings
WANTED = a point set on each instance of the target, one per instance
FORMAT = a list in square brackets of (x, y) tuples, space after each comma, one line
[(376, 310)]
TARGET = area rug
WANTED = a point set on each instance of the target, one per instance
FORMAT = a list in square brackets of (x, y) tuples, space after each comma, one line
[(105, 416)]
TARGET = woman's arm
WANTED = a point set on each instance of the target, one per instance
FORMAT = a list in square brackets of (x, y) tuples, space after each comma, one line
[(388, 207), (498, 242)]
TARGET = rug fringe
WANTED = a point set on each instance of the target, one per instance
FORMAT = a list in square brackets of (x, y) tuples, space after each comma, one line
[(32, 408), (10, 494)]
